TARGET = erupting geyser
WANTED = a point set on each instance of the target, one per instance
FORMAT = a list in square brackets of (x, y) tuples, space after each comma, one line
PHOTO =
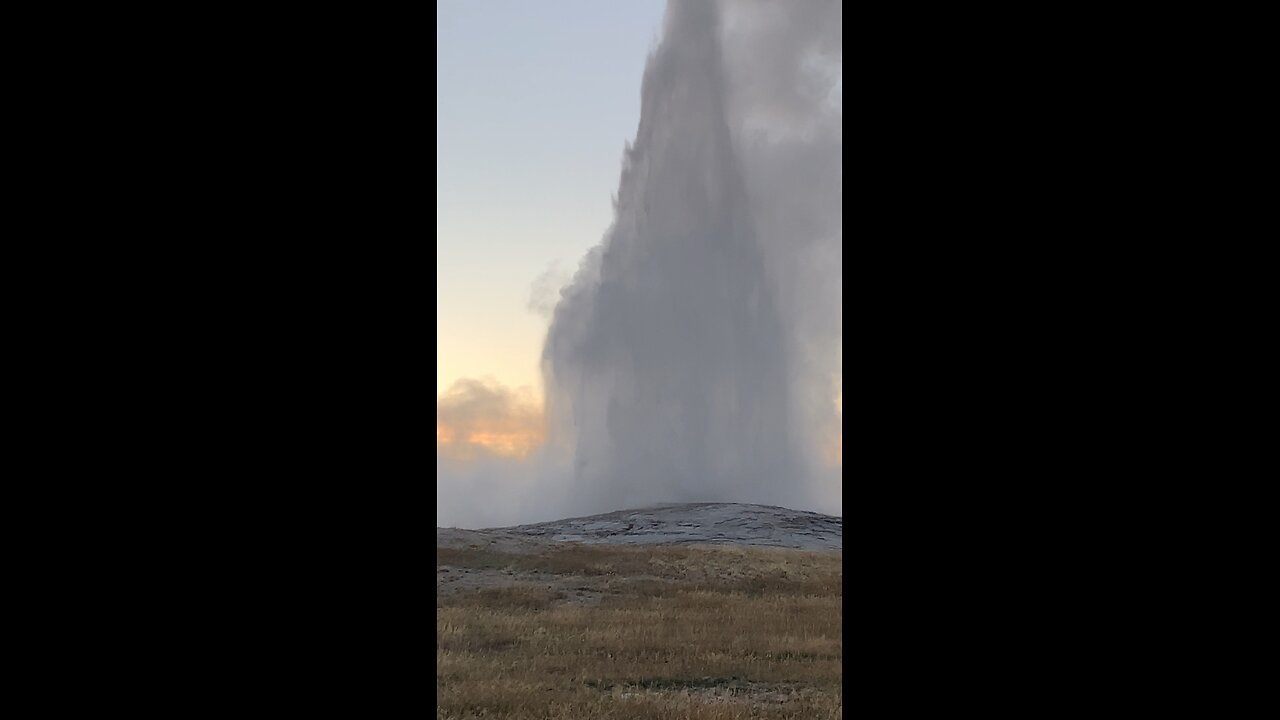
[(679, 364)]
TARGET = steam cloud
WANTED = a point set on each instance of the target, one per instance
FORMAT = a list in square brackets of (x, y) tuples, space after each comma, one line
[(696, 354)]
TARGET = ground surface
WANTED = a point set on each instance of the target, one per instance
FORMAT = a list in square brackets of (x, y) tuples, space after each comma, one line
[(704, 523), (531, 627)]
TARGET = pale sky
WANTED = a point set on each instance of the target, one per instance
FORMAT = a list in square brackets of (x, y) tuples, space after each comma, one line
[(534, 102)]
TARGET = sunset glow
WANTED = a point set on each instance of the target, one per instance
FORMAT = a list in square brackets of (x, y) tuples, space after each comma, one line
[(512, 443), (476, 418)]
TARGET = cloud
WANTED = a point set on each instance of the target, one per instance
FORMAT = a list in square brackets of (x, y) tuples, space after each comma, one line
[(493, 464), (482, 417)]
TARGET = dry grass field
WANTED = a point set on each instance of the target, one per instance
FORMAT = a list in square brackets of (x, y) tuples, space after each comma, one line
[(638, 632)]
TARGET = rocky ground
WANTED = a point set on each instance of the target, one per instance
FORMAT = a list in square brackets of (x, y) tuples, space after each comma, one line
[(700, 523), (690, 524)]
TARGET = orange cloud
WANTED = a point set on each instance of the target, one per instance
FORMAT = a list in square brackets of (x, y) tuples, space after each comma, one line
[(476, 417)]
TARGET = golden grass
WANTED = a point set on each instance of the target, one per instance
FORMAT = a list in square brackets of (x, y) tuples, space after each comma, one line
[(695, 633)]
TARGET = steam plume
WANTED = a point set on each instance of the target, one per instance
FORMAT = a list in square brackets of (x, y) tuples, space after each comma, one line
[(695, 354)]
